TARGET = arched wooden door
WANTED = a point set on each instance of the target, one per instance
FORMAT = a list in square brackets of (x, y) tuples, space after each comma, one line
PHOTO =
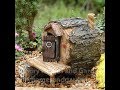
[(51, 48)]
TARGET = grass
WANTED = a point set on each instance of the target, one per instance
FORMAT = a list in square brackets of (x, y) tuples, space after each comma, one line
[(55, 12)]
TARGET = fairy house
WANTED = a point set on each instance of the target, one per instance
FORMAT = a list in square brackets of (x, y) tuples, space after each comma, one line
[(73, 41)]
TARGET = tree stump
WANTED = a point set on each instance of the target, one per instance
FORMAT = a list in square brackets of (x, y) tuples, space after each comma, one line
[(80, 41)]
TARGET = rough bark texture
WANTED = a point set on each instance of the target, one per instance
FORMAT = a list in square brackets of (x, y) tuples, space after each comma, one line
[(80, 45), (72, 22), (86, 47), (86, 43)]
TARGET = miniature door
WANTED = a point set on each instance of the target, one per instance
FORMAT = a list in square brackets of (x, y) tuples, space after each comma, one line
[(51, 48)]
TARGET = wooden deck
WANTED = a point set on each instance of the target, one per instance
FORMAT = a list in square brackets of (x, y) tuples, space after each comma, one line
[(49, 68)]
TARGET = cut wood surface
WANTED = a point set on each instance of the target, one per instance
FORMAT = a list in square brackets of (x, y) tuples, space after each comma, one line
[(49, 68)]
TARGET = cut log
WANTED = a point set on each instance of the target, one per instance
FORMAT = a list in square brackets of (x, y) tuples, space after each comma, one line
[(86, 47), (80, 47)]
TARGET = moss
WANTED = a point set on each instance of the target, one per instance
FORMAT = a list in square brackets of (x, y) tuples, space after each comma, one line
[(100, 72)]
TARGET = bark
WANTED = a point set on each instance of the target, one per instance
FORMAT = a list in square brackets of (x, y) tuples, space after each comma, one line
[(80, 47), (86, 47)]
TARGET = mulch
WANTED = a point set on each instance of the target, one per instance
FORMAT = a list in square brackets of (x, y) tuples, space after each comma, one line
[(63, 80)]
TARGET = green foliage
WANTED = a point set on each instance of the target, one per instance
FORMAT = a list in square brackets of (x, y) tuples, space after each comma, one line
[(22, 38), (85, 5), (59, 9), (29, 44), (100, 21), (25, 10), (98, 5), (55, 12), (18, 54)]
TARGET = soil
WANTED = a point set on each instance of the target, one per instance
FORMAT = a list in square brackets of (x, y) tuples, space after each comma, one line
[(63, 80)]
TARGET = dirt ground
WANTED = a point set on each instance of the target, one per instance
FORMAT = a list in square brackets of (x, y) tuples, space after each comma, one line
[(63, 80)]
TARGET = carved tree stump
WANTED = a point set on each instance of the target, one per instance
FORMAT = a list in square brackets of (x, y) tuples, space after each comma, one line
[(80, 41)]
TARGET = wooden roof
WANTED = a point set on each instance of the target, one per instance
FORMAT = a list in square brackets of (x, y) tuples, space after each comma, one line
[(60, 25), (55, 27)]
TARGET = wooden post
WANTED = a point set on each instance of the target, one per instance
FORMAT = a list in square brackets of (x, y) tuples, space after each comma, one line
[(91, 20), (52, 80)]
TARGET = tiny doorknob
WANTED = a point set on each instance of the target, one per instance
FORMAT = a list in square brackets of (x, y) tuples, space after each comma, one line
[(48, 44)]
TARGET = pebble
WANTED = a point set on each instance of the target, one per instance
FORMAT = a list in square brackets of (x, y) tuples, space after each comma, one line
[(19, 80)]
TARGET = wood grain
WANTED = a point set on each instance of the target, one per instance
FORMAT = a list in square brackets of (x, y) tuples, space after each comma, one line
[(49, 68)]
